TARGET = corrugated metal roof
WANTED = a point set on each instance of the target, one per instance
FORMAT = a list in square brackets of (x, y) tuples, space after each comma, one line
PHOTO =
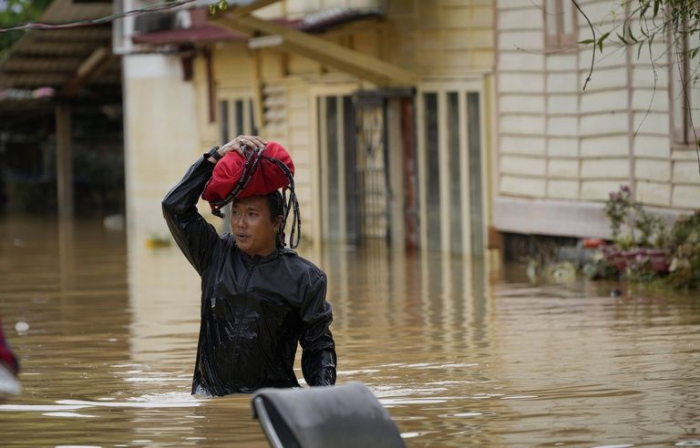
[(329, 18), (52, 57), (205, 34), (201, 31)]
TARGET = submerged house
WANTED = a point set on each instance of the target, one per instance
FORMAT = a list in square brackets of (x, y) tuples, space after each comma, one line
[(384, 106), (438, 125)]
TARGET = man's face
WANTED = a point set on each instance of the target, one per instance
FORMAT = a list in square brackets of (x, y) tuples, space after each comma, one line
[(252, 227)]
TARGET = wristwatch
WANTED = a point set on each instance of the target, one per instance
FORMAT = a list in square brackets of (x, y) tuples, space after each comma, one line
[(213, 153)]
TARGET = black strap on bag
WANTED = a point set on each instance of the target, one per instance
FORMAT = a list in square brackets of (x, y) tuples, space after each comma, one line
[(252, 161)]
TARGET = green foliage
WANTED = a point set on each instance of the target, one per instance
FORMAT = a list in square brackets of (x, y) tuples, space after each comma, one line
[(634, 229), (617, 208), (16, 13), (642, 229), (685, 243), (221, 6), (678, 18)]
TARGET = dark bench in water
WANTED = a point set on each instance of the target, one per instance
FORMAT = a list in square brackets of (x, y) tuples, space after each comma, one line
[(320, 417)]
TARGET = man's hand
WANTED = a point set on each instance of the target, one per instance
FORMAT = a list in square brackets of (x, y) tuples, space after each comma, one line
[(237, 144)]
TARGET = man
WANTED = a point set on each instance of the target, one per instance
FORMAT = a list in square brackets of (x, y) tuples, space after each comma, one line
[(258, 299)]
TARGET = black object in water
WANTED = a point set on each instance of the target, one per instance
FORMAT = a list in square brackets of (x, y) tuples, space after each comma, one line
[(344, 416)]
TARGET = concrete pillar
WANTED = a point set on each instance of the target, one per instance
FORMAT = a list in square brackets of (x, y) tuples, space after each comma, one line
[(64, 158)]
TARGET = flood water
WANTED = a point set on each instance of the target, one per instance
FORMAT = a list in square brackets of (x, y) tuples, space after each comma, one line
[(460, 353)]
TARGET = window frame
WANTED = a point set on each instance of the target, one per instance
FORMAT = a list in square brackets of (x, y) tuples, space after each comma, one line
[(442, 89), (683, 133), (560, 40), (232, 122)]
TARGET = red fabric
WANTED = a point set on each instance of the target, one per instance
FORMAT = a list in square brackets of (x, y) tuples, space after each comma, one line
[(268, 177)]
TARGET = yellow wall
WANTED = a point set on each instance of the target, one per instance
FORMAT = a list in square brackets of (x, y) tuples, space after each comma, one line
[(441, 38)]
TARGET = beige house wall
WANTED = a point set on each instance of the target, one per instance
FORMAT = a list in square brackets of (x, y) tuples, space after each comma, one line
[(562, 150), (453, 42), (443, 39)]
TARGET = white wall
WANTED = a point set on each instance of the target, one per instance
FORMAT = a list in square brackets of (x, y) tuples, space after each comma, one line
[(160, 137), (559, 144)]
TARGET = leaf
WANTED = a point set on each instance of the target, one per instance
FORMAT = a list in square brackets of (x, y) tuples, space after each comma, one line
[(621, 37), (223, 5), (600, 41), (212, 9), (586, 42), (643, 11), (639, 50), (657, 4)]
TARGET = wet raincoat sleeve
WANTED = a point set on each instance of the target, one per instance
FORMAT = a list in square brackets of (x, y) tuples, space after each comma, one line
[(318, 359), (196, 237)]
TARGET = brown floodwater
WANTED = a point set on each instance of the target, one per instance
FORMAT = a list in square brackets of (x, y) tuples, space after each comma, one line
[(460, 353)]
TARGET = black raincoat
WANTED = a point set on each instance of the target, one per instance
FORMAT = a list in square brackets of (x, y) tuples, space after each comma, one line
[(254, 309)]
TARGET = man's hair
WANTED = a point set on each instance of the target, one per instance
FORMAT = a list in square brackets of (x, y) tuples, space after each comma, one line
[(275, 203), (276, 206)]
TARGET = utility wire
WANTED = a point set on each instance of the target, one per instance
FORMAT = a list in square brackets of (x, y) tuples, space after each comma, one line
[(100, 20)]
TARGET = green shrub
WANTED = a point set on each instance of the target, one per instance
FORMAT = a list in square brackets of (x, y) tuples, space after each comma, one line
[(635, 231), (685, 250)]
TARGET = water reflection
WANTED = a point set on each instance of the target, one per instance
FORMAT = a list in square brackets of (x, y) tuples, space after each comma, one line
[(459, 354)]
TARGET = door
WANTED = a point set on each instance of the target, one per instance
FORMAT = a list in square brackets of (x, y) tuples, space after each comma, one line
[(367, 168)]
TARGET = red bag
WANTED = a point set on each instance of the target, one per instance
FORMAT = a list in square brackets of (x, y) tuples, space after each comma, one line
[(266, 178)]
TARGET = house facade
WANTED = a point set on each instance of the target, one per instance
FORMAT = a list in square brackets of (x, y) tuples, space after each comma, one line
[(561, 149), (435, 125), (385, 107)]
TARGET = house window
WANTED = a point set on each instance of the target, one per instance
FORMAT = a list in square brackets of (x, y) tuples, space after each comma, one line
[(223, 122), (432, 170), (236, 117), (685, 95), (339, 192), (561, 30), (451, 182)]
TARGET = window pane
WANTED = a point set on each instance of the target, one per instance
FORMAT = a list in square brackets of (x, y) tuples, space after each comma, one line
[(223, 122), (693, 102), (677, 99), (453, 140), (476, 205), (679, 94), (333, 213), (238, 117), (253, 124), (432, 170), (352, 187)]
